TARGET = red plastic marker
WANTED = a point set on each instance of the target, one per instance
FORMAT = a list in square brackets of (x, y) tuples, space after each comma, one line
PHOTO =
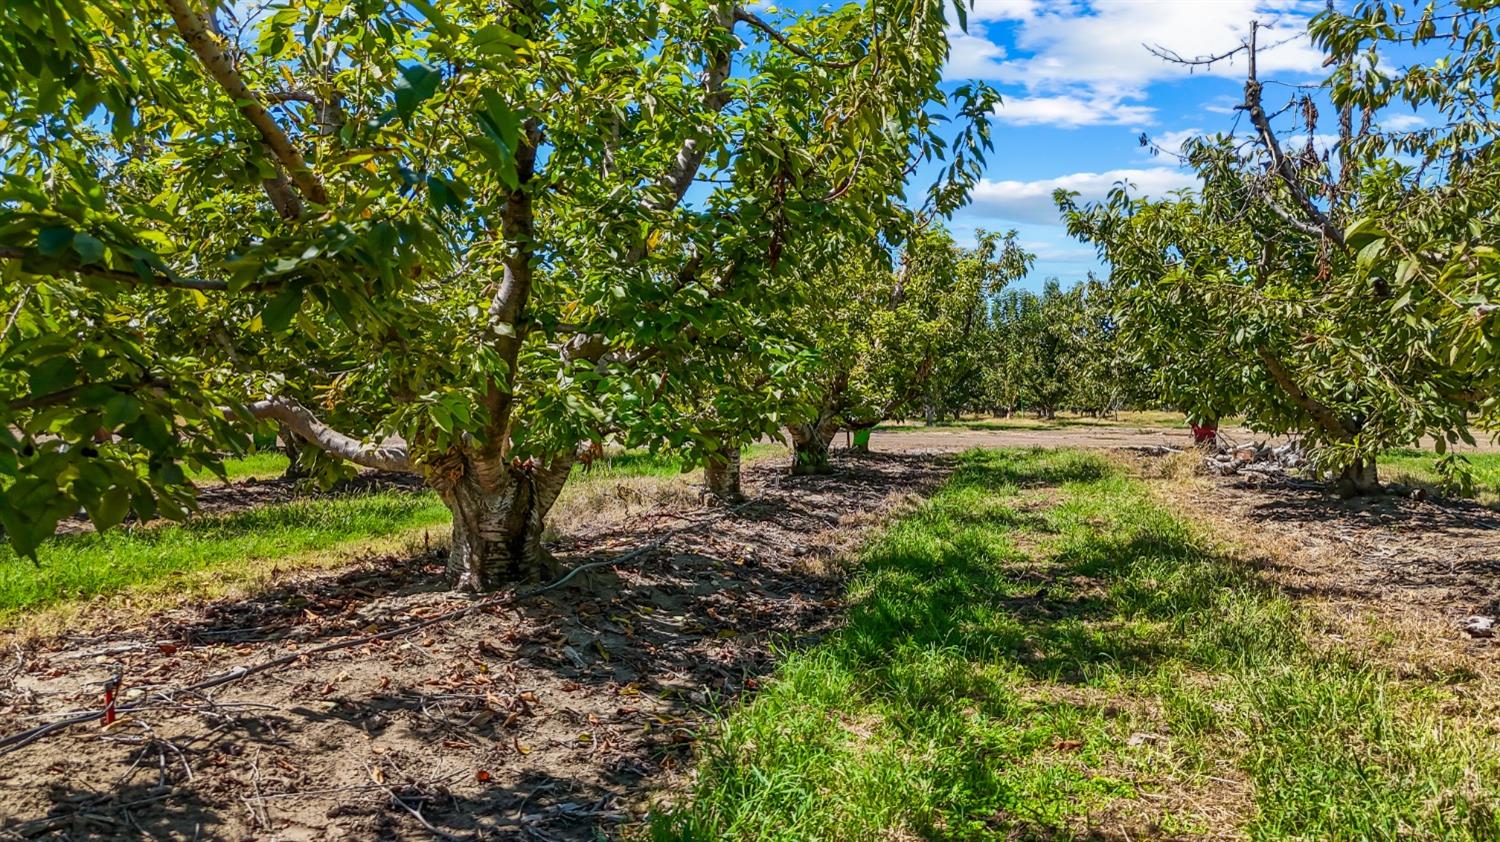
[(111, 688)]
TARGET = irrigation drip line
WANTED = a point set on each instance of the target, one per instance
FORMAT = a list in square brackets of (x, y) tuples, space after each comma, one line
[(21, 739)]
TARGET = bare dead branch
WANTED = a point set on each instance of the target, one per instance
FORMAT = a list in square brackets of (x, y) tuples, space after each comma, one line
[(1280, 165)]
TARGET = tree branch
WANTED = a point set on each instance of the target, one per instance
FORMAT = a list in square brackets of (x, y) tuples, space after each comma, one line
[(1320, 412), (517, 226), (388, 455), (690, 155), (64, 395), (1280, 164), (203, 43), (158, 279), (743, 16)]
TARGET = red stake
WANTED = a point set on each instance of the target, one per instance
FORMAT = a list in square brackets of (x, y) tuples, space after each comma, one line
[(111, 687)]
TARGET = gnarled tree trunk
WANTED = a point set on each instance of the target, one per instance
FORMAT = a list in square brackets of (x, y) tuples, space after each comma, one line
[(810, 446), (1359, 479), (721, 477), (499, 511)]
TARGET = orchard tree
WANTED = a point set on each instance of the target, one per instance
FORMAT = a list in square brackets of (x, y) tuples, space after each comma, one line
[(1038, 337), (884, 333), (1106, 378), (466, 239), (981, 273), (1340, 294)]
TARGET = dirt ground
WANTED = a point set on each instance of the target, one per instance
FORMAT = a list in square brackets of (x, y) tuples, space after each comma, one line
[(555, 717), (1400, 575), (545, 718), (953, 440)]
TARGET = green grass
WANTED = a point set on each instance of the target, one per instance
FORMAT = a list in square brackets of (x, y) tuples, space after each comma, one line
[(80, 566), (176, 557), (1004, 643), (262, 464), (1417, 468)]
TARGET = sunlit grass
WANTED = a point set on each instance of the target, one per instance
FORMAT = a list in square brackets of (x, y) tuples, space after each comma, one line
[(80, 566), (203, 553), (1417, 468), (1042, 652), (262, 464)]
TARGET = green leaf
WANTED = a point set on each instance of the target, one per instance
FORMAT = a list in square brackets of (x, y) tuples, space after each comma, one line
[(278, 314), (90, 249), (109, 509), (52, 376), (418, 82), (52, 240)]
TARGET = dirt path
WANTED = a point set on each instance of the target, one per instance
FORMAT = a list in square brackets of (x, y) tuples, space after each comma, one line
[(954, 440), (551, 716)]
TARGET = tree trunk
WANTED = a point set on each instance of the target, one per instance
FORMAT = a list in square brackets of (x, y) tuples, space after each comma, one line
[(810, 447), (499, 511), (291, 446), (721, 477), (1359, 479)]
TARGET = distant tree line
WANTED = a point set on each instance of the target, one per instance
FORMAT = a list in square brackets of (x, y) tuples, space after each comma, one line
[(1039, 353)]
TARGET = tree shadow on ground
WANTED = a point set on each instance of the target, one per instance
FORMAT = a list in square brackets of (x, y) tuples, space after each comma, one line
[(547, 712), (1443, 552)]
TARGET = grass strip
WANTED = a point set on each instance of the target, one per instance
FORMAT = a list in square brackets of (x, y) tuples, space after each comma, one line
[(1040, 651)]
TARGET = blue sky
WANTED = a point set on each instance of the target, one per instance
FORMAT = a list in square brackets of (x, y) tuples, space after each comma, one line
[(1080, 88)]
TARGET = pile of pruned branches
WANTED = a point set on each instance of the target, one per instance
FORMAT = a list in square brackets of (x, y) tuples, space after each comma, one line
[(1256, 458)]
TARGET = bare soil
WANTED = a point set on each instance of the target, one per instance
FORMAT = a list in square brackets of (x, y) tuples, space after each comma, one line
[(546, 718), (1402, 575), (954, 440)]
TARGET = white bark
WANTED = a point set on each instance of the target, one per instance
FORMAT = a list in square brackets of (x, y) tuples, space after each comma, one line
[(386, 455)]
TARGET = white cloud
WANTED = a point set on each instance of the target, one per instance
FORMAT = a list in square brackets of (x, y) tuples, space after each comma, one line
[(971, 55), (1103, 43), (1031, 201), (1070, 112), (1003, 9), (1170, 143), (1402, 122), (1095, 51)]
